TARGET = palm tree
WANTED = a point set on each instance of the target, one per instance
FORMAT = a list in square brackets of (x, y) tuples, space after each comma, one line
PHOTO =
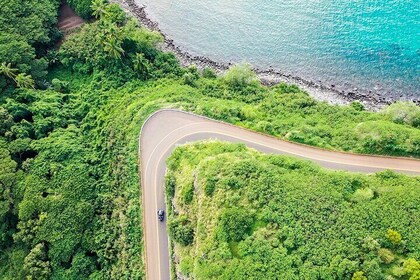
[(24, 81), (141, 65), (8, 70), (110, 29), (113, 47), (98, 8)]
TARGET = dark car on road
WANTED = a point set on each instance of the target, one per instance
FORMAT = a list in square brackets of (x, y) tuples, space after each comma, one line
[(161, 215)]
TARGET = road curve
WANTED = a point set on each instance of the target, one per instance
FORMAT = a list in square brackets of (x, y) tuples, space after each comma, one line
[(166, 129)]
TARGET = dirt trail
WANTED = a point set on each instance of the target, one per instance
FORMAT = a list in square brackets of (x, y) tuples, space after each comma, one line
[(68, 19)]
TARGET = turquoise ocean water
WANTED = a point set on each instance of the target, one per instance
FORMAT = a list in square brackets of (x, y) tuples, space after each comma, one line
[(370, 45)]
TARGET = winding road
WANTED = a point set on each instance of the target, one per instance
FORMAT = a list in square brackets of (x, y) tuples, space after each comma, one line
[(166, 129)]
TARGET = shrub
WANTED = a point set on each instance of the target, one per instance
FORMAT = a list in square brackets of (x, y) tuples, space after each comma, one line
[(404, 113), (8, 182), (181, 231), (397, 271), (360, 195), (16, 51), (357, 106), (36, 263), (288, 89), (370, 244), (170, 184), (166, 65), (233, 183), (82, 7), (246, 169), (39, 69), (58, 85), (141, 66), (358, 275), (186, 266), (235, 224), (415, 275), (411, 266), (385, 255), (210, 186), (209, 73), (372, 270), (189, 193), (394, 237), (344, 268), (115, 14), (189, 79), (387, 138), (240, 76), (123, 50)]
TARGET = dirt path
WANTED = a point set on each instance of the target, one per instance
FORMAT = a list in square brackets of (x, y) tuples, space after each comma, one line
[(68, 19)]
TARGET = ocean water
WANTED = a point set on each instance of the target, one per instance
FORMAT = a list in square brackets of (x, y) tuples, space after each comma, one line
[(372, 45)]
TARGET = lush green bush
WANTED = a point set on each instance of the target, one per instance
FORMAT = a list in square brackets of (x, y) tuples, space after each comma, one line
[(404, 112), (15, 50), (189, 194), (209, 73), (114, 13), (359, 275), (240, 76), (170, 184), (181, 231), (235, 224), (59, 85), (82, 7), (6, 121), (411, 267), (36, 263), (394, 237), (385, 256)]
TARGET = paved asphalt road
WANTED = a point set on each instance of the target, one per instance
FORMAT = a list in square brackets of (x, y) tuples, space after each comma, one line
[(166, 129)]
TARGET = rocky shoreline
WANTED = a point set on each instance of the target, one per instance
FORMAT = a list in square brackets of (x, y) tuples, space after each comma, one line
[(269, 76)]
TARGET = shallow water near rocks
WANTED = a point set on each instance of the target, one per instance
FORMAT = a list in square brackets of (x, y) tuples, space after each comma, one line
[(354, 45)]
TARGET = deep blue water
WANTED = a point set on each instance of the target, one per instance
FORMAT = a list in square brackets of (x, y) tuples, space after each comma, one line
[(372, 44)]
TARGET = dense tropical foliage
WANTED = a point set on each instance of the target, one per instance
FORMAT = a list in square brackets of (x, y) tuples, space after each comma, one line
[(276, 217), (28, 31), (70, 120)]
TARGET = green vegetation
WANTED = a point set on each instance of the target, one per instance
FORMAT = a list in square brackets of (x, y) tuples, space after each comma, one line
[(277, 217), (240, 76), (82, 7), (181, 231), (69, 125), (404, 112), (27, 32)]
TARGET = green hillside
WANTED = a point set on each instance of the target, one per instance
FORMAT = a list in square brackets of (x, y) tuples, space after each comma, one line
[(238, 214)]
